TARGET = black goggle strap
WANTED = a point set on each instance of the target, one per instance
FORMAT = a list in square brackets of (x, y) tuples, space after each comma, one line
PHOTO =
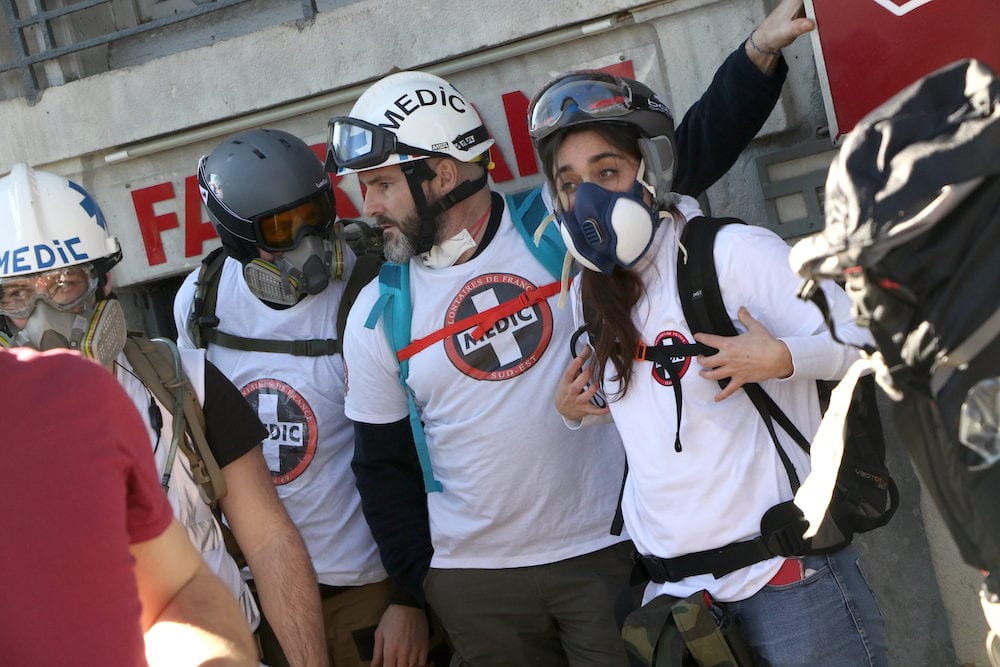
[(419, 171), (470, 139), (463, 190), (416, 173)]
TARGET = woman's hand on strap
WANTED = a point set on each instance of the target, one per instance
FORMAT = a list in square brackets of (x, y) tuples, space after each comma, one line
[(575, 392), (753, 356)]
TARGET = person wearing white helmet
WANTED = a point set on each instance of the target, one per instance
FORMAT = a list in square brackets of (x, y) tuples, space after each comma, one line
[(283, 278), (55, 255), (514, 552)]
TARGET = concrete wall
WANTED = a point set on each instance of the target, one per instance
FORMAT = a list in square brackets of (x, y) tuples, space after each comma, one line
[(302, 73)]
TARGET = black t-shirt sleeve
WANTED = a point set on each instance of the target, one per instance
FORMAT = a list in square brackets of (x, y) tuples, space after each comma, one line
[(720, 125), (231, 427), (394, 503)]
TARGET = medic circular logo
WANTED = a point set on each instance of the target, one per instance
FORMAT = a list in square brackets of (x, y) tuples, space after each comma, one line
[(291, 427), (679, 365), (513, 344)]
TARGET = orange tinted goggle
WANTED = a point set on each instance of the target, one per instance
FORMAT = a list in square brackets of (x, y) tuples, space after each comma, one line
[(283, 230)]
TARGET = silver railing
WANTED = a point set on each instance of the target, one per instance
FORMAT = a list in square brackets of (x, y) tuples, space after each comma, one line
[(33, 40)]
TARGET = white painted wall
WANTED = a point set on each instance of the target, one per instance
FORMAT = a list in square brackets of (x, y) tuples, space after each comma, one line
[(676, 46)]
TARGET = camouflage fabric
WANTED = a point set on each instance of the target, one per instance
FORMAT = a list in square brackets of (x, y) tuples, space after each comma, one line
[(670, 632)]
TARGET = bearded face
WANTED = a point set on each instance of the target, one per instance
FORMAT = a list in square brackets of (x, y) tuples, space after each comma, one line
[(400, 237)]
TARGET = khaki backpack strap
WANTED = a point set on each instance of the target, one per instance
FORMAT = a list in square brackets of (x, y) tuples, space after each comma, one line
[(157, 364)]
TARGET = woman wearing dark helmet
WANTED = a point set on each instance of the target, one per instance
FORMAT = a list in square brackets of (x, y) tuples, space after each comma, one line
[(702, 467)]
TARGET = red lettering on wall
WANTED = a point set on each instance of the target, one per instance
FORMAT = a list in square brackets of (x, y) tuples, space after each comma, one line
[(624, 68), (515, 106), (345, 207), (501, 172), (151, 224), (196, 230)]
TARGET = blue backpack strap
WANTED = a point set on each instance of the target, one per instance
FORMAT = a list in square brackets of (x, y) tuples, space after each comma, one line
[(527, 210), (395, 306)]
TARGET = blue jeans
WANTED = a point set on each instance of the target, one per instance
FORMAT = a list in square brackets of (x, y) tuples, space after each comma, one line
[(829, 618)]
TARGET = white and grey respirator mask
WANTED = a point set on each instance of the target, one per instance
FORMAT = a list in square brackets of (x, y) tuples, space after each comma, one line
[(98, 332), (305, 269), (62, 311)]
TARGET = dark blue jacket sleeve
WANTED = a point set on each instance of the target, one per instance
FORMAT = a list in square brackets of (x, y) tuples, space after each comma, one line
[(717, 128), (393, 500)]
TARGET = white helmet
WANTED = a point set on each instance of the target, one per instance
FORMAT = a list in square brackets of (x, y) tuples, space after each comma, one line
[(55, 249), (48, 222), (406, 116)]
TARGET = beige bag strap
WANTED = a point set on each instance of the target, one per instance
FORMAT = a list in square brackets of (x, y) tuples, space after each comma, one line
[(157, 364)]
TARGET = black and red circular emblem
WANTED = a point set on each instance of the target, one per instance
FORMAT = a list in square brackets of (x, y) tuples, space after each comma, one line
[(679, 365), (291, 427), (513, 344)]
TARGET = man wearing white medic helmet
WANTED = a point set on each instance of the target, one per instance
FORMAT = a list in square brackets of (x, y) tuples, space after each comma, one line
[(55, 255), (280, 289), (514, 552)]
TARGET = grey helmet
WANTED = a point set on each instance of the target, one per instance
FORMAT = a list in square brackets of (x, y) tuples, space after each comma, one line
[(255, 174), (592, 96)]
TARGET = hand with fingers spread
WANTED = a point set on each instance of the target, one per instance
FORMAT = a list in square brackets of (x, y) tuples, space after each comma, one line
[(753, 356), (576, 390), (781, 27)]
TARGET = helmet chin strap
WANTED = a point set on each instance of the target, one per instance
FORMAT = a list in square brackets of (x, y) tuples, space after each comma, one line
[(416, 173)]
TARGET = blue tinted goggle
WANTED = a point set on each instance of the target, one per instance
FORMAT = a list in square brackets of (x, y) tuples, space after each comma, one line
[(355, 144), (577, 100)]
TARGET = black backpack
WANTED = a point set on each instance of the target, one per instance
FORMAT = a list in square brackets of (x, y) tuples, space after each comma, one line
[(865, 496), (913, 226)]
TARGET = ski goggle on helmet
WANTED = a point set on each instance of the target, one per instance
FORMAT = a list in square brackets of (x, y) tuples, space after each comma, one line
[(406, 116), (356, 144), (64, 289), (278, 231), (586, 97)]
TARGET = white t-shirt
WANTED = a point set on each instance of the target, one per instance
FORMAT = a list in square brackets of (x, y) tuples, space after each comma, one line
[(519, 488), (300, 402), (182, 492), (716, 489)]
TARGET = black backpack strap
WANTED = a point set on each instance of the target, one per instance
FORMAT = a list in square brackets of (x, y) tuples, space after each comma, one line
[(705, 311), (202, 317), (203, 323), (313, 347), (365, 270)]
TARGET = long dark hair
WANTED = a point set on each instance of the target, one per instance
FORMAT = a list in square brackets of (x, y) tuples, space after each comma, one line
[(607, 299)]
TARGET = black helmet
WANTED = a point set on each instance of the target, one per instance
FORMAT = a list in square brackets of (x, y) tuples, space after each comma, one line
[(254, 175), (592, 96), (905, 167)]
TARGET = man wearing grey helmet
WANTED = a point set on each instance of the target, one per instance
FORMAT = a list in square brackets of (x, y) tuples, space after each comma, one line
[(266, 312)]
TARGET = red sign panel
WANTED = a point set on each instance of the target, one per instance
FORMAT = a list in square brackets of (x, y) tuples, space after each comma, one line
[(868, 50)]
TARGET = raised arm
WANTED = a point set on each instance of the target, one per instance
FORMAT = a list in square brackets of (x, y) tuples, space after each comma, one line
[(781, 27), (743, 92)]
